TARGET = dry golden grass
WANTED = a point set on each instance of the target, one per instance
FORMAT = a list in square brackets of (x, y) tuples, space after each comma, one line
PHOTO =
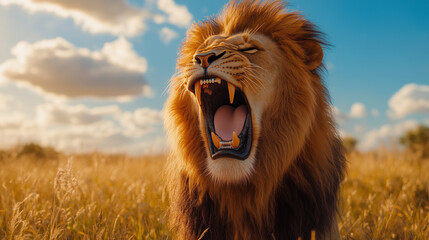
[(87, 197), (385, 196)]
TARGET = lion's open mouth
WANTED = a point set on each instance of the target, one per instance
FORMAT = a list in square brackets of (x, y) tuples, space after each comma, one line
[(227, 117)]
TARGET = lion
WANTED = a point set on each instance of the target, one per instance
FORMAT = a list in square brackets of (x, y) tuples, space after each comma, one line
[(254, 149)]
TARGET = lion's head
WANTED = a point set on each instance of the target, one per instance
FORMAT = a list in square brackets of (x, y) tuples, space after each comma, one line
[(249, 81)]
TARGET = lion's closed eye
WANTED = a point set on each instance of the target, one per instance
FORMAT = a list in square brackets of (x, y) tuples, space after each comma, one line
[(250, 50)]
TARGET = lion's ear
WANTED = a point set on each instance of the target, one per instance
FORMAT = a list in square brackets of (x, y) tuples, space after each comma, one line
[(314, 54)]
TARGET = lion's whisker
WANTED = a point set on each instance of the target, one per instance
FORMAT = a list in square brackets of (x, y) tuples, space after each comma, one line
[(253, 82), (252, 75), (254, 65)]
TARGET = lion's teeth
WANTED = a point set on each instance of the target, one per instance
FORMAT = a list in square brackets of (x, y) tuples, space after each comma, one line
[(210, 80), (235, 140), (231, 90), (198, 91), (216, 140)]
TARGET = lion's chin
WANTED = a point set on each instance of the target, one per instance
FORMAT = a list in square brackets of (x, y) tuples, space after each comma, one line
[(229, 170)]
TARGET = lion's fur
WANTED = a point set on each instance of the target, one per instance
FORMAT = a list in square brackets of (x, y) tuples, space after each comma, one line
[(299, 161)]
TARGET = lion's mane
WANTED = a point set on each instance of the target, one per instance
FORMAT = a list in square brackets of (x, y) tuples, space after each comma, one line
[(299, 159)]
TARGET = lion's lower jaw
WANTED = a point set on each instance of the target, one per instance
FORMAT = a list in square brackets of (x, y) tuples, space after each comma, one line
[(230, 170)]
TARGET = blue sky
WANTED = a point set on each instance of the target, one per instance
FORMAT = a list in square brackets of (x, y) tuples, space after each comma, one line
[(378, 68)]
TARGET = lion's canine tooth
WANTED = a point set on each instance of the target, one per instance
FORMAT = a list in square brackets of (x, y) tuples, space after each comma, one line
[(231, 90), (218, 80), (197, 88), (235, 140), (216, 140)]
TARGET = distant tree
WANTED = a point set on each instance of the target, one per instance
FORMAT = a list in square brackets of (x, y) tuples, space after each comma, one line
[(36, 151), (349, 143), (417, 140), (2, 155)]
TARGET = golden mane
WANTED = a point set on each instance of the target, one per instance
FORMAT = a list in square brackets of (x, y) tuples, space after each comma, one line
[(299, 161)]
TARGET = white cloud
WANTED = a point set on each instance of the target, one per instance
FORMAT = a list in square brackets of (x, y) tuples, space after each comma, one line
[(167, 34), (5, 102), (357, 111), (386, 133), (77, 114), (136, 123), (157, 145), (410, 99), (359, 128), (338, 116), (115, 17), (13, 119), (177, 14), (330, 65), (79, 128), (375, 112), (159, 18), (140, 121), (57, 67), (96, 16)]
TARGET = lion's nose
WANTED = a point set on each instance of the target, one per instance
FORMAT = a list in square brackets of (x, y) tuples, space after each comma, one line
[(206, 59)]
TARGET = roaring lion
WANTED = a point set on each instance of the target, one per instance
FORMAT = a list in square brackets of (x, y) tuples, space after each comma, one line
[(255, 153)]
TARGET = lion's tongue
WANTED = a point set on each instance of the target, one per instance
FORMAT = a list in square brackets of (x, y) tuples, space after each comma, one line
[(228, 119)]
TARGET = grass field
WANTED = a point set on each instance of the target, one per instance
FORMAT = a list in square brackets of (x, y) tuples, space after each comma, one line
[(385, 196)]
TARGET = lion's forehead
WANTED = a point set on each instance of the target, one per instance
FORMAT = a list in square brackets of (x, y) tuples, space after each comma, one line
[(234, 42)]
